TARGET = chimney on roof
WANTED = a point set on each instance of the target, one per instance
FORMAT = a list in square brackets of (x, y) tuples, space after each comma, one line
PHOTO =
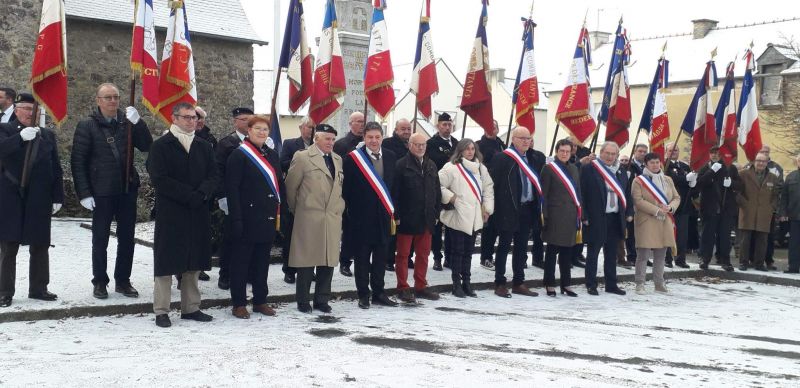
[(702, 27), (599, 38)]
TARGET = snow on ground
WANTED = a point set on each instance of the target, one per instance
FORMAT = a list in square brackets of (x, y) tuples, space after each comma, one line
[(703, 334)]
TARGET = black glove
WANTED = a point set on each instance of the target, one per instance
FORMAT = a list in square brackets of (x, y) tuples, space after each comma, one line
[(448, 206)]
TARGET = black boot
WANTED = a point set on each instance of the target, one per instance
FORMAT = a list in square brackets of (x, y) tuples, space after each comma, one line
[(437, 264), (467, 286), (458, 290)]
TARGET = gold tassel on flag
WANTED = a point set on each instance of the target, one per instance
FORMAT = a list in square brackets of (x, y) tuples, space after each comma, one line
[(579, 236), (278, 219), (392, 226)]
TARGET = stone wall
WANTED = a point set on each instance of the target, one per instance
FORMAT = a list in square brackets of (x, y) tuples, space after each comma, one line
[(99, 52)]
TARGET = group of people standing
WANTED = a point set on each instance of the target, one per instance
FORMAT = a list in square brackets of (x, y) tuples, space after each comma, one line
[(380, 203)]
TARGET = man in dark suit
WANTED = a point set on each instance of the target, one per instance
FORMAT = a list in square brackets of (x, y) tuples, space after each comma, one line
[(26, 212), (290, 147), (398, 144), (607, 206), (517, 210), (682, 176), (368, 179), (718, 185), (225, 146), (439, 149), (342, 147), (7, 97)]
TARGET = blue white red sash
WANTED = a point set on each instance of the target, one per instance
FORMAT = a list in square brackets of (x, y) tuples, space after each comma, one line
[(471, 182), (660, 197), (611, 181), (566, 180), (525, 168), (368, 170), (263, 166)]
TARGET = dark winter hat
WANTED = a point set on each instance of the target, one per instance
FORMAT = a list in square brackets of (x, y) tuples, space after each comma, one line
[(23, 98), (325, 128), (241, 111), (444, 117)]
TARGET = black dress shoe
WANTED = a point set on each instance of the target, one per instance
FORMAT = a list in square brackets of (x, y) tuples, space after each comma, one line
[(46, 295), (289, 278), (568, 292), (304, 308), (203, 276), (324, 307), (224, 283), (384, 300), (100, 291), (704, 265), (363, 302), (198, 316), (742, 268), (128, 290), (345, 270), (390, 267), (682, 264), (593, 291), (437, 264), (668, 264), (761, 268), (162, 320), (551, 293), (616, 291), (728, 267), (410, 263), (5, 301)]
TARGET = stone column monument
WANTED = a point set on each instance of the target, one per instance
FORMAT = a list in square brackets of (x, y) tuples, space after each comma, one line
[(355, 17)]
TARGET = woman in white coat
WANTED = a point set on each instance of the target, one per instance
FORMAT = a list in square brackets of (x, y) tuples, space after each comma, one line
[(468, 198)]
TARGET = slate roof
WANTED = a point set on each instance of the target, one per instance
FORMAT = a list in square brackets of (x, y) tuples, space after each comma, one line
[(219, 19)]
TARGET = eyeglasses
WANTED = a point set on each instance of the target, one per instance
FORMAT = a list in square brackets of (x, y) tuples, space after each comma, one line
[(523, 138), (241, 119), (187, 117), (109, 98), (260, 129)]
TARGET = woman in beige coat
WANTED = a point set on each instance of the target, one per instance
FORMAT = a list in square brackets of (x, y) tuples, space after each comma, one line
[(655, 199), (468, 198)]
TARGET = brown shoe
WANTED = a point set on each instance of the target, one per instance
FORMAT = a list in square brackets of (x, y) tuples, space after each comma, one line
[(523, 290), (264, 309), (502, 292), (426, 294), (241, 312), (407, 296)]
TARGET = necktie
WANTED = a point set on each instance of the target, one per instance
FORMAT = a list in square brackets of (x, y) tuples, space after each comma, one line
[(376, 155), (329, 163)]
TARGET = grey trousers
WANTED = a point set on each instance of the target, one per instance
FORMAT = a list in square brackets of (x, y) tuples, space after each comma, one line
[(657, 255), (190, 293), (38, 272)]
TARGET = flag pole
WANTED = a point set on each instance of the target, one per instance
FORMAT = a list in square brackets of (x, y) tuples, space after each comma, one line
[(464, 127), (555, 136), (129, 129), (593, 143), (636, 140), (274, 110), (415, 114), (510, 121), (516, 89)]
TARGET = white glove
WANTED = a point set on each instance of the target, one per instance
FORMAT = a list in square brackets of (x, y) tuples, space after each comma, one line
[(774, 171), (132, 114), (28, 133), (223, 205), (716, 166), (270, 143), (691, 178), (56, 208), (88, 203), (726, 182)]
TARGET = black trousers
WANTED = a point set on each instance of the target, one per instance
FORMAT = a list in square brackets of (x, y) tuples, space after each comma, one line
[(346, 251), (121, 208), (436, 243), (769, 258), (537, 250), (38, 270), (609, 247), (369, 273), (489, 235), (287, 227), (226, 252), (249, 262), (527, 223), (322, 285), (461, 246), (716, 231), (682, 239), (794, 245), (564, 265), (630, 243)]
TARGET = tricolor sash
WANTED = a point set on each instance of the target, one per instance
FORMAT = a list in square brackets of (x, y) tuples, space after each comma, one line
[(648, 185), (611, 181), (471, 182), (525, 168), (368, 170), (267, 172)]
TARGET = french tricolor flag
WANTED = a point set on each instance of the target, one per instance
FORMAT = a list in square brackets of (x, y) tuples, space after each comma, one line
[(575, 109), (615, 111), (747, 119), (329, 81), (526, 87), (176, 79), (143, 53), (49, 67), (476, 100), (378, 75), (296, 57), (726, 118), (655, 120), (423, 79), (699, 122)]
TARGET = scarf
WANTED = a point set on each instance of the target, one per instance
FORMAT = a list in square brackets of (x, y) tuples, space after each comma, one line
[(658, 179), (185, 138)]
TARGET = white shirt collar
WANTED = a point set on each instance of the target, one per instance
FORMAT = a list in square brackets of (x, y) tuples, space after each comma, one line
[(241, 137), (7, 114), (369, 151)]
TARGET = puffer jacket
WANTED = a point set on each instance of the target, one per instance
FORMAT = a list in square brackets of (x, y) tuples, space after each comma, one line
[(466, 215)]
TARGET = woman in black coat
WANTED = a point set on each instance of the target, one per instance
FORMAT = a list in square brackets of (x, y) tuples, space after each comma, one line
[(254, 186)]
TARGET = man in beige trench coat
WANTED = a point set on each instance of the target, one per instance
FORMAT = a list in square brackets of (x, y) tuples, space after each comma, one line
[(314, 195), (757, 202)]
